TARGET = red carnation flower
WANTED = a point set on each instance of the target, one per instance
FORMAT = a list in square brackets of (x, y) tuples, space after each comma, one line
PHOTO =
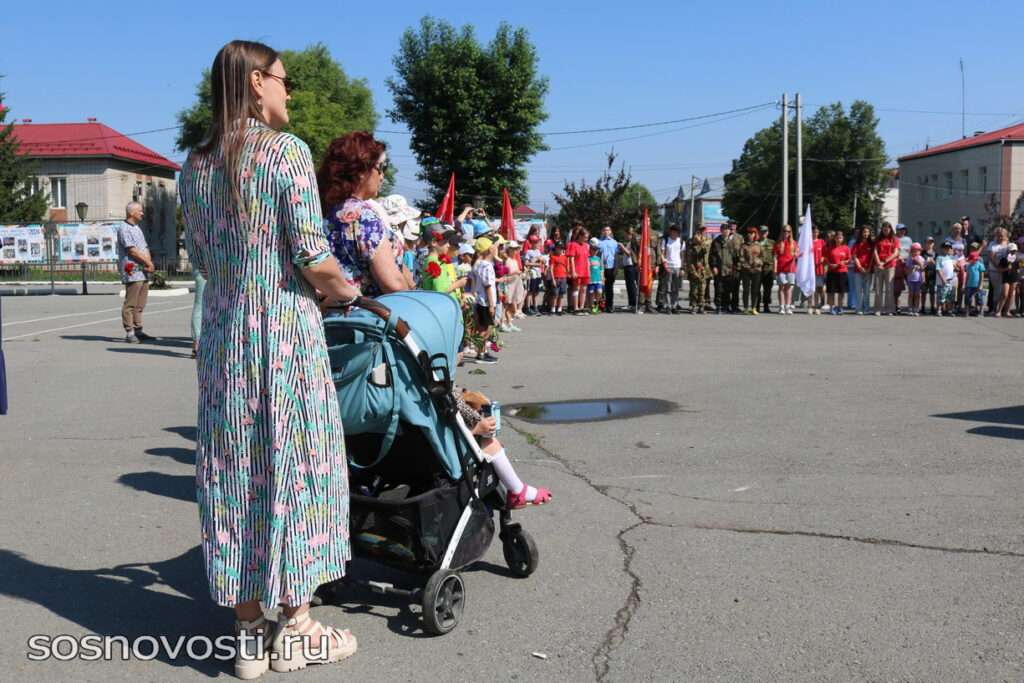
[(434, 269)]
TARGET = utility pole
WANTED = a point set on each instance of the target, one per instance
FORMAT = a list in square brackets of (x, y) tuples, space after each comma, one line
[(785, 161), (693, 200), (963, 101), (799, 161)]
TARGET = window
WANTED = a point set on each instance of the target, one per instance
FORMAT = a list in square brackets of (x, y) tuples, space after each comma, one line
[(922, 188), (948, 178), (137, 192), (934, 227), (935, 186), (37, 185), (983, 178), (58, 193), (965, 185)]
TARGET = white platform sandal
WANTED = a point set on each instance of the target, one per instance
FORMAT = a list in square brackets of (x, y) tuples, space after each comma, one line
[(255, 661), (300, 641)]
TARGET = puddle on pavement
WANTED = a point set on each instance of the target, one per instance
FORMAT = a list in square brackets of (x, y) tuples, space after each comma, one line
[(590, 410)]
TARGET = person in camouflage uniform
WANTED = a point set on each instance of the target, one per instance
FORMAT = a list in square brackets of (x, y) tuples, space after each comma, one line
[(750, 271), (725, 257), (767, 269), (697, 269)]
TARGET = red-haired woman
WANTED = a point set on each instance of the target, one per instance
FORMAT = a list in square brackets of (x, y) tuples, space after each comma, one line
[(362, 240)]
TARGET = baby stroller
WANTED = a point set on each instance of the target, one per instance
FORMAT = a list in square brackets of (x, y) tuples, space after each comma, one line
[(422, 495)]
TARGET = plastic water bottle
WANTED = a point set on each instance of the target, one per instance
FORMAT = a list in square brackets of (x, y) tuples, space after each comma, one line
[(496, 414)]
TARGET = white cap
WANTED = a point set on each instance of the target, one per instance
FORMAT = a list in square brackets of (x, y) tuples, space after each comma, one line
[(512, 244), (399, 210), (411, 231)]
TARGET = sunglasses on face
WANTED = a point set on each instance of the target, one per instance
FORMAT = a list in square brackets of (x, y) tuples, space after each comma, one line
[(288, 83), (382, 167)]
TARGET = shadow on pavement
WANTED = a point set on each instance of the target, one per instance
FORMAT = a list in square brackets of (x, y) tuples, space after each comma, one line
[(171, 342), (137, 348), (186, 456), (119, 601), (184, 432), (357, 598), (1011, 415), (176, 486), (998, 432)]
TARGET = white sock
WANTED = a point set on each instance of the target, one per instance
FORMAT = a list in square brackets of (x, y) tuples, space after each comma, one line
[(508, 476)]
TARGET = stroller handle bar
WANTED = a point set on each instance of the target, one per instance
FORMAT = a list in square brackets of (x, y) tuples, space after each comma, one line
[(384, 313)]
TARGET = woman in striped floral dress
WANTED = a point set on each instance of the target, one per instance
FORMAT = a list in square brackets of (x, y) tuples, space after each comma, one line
[(271, 476)]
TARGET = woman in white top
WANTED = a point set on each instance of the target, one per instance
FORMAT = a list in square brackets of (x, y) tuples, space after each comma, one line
[(996, 251)]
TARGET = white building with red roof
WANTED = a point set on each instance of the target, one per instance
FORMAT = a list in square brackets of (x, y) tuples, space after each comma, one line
[(940, 184), (99, 170)]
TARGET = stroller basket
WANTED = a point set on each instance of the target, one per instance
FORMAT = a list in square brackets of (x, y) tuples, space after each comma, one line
[(415, 533)]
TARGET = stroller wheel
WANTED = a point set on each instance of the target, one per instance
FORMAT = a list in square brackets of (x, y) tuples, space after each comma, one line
[(444, 598), (521, 554)]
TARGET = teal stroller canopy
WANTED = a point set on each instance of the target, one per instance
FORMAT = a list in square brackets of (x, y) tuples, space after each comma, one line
[(382, 379)]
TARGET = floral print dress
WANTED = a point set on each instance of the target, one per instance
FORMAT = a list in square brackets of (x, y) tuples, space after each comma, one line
[(271, 474), (355, 230)]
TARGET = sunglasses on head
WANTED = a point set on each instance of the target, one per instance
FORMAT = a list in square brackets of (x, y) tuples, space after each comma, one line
[(288, 83)]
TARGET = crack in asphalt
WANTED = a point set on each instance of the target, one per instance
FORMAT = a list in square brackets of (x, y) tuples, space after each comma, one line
[(869, 540), (616, 635)]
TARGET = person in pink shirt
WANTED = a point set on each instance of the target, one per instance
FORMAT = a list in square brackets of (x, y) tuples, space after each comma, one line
[(887, 252), (820, 269), (786, 253), (578, 251)]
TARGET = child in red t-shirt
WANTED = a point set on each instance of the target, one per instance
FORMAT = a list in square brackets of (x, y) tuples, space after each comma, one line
[(558, 272), (819, 246)]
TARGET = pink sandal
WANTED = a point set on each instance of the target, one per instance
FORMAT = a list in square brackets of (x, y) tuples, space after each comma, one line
[(517, 501)]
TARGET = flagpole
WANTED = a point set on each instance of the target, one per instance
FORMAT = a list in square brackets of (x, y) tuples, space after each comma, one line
[(785, 162), (799, 159)]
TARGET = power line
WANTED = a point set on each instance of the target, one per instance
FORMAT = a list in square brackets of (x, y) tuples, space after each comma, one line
[(663, 132)]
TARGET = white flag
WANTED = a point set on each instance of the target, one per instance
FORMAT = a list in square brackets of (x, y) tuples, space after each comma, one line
[(805, 263)]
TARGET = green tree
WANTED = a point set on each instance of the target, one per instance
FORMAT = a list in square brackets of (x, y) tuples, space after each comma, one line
[(613, 199), (471, 110), (18, 202), (325, 102), (843, 156)]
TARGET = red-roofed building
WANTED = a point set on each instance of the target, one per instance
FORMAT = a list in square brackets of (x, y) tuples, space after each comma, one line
[(940, 184), (92, 164)]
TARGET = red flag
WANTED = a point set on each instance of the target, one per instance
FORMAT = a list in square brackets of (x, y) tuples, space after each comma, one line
[(508, 221), (446, 212), (646, 272)]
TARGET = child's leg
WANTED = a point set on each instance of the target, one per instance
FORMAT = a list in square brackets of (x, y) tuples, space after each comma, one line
[(495, 454)]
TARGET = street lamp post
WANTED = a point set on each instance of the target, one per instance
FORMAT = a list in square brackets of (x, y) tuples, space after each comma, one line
[(83, 210)]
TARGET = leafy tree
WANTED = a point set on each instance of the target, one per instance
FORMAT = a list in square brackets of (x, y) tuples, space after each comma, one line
[(996, 218), (613, 199), (325, 102), (472, 110), (843, 156), (18, 202)]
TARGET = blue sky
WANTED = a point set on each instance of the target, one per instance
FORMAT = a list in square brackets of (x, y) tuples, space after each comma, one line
[(134, 65)]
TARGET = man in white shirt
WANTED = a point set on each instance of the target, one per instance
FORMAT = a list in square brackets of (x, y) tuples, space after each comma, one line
[(672, 248)]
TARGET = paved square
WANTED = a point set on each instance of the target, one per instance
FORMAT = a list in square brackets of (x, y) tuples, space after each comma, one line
[(833, 499)]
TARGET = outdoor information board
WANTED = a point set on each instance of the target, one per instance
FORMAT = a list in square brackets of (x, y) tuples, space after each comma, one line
[(87, 241), (22, 244)]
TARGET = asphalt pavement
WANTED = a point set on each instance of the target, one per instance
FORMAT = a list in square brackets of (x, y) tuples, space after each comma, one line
[(829, 499)]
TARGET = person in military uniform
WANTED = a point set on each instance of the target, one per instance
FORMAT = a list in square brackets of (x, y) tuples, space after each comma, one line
[(728, 257), (750, 265), (767, 269), (697, 269), (715, 264)]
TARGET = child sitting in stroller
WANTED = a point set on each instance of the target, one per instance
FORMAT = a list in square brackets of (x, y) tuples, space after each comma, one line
[(519, 495)]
